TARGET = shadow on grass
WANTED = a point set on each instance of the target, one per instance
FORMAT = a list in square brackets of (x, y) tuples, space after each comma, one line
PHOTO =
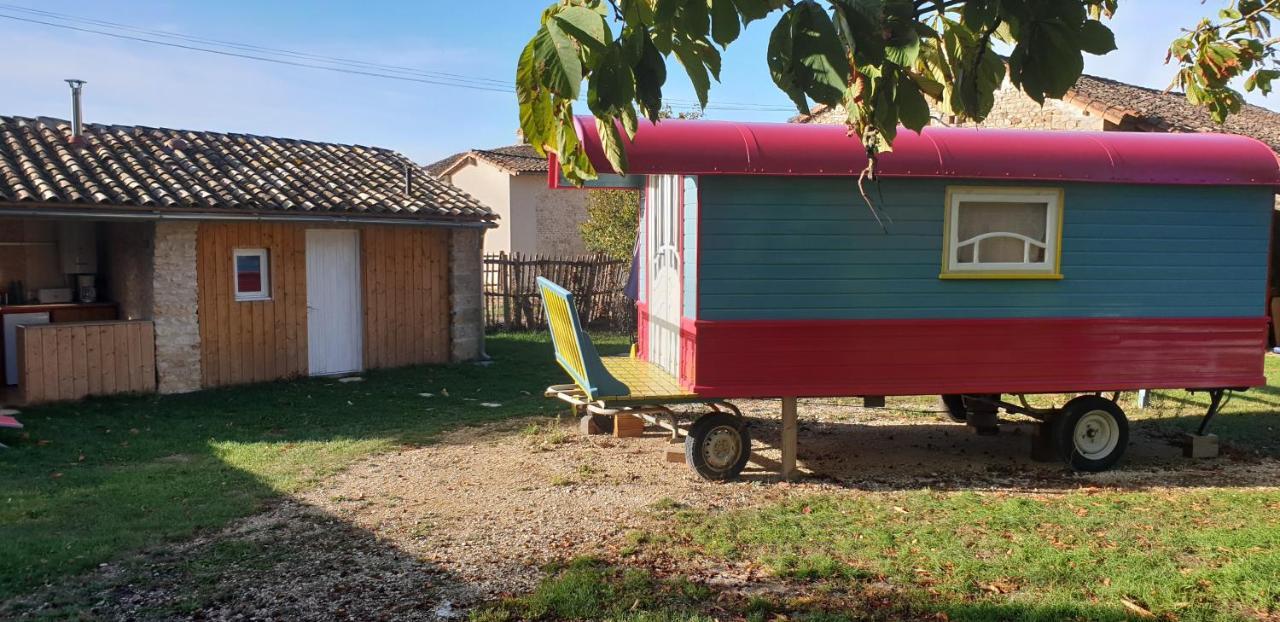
[(290, 563), (589, 589), (912, 456), (88, 481)]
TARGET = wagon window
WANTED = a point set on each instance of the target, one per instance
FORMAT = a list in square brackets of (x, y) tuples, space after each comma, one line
[(1002, 233), (252, 274)]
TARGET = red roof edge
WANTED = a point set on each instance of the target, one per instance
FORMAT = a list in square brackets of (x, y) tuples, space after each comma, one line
[(685, 147)]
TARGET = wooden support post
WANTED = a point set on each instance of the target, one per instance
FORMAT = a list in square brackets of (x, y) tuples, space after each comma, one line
[(1144, 398), (789, 426)]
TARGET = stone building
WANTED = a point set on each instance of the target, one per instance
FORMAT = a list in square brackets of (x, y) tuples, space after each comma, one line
[(1101, 104), (137, 259), (513, 182)]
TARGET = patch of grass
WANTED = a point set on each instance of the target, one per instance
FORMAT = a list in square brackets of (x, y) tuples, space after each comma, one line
[(589, 589), (88, 481), (635, 540), (546, 434), (1195, 555)]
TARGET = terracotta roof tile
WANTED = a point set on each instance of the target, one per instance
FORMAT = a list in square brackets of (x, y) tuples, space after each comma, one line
[(515, 159), (126, 166), (1152, 109)]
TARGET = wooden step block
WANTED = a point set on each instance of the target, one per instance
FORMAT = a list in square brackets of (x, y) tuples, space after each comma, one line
[(625, 426), (674, 453)]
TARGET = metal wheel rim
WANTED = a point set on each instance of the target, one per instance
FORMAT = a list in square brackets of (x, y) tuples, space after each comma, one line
[(1096, 435), (721, 448)]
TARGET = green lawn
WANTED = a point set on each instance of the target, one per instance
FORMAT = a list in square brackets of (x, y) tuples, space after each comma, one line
[(91, 480)]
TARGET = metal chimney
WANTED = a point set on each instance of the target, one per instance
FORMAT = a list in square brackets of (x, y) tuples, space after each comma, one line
[(77, 119)]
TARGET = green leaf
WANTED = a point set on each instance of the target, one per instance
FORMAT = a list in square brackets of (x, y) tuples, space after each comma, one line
[(651, 75), (611, 86), (862, 21), (979, 15), (1096, 38), (611, 142), (913, 110), (903, 48), (725, 26), (536, 116), (695, 19), (823, 68), (781, 55), (585, 25), (560, 69), (693, 65), (752, 10)]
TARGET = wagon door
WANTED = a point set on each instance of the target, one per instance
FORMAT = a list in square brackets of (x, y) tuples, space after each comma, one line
[(664, 272)]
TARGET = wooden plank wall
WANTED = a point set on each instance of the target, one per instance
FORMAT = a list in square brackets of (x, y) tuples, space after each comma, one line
[(406, 296), (75, 360), (252, 341)]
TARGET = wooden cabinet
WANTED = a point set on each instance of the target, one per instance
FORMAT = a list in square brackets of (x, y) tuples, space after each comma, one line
[(78, 247)]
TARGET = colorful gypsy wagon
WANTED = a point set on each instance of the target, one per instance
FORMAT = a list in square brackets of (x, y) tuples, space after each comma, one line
[(989, 263)]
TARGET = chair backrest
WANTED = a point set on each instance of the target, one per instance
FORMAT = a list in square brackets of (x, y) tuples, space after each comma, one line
[(574, 350)]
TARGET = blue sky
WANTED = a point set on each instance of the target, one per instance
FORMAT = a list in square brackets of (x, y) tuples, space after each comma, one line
[(137, 83)]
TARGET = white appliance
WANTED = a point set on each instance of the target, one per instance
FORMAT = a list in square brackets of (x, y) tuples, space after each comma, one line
[(53, 295), (11, 323)]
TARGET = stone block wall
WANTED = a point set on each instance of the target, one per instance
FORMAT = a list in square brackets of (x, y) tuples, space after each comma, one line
[(466, 297), (176, 307), (127, 249), (1012, 109)]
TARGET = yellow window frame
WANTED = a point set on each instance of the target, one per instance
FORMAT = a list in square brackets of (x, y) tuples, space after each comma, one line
[(1022, 192)]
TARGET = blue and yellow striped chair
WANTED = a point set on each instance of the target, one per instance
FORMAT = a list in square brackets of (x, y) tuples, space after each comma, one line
[(611, 378)]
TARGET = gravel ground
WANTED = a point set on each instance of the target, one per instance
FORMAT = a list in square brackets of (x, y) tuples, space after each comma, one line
[(427, 532)]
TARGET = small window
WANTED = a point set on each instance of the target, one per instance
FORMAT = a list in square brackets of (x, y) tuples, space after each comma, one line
[(252, 274), (996, 233)]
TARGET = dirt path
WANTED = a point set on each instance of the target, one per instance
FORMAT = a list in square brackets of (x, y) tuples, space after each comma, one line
[(424, 533)]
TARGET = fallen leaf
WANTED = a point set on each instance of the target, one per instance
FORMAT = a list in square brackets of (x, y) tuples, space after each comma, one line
[(1137, 609)]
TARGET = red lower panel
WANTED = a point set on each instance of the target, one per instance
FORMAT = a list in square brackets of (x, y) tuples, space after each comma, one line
[(688, 353), (642, 331), (917, 357)]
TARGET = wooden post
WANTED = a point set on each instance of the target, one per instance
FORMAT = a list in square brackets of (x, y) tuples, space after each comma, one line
[(1144, 398), (788, 437)]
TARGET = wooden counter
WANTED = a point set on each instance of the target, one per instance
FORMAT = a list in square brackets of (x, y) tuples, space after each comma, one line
[(67, 311), (72, 360)]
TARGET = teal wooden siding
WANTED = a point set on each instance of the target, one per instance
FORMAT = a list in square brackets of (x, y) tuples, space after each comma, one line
[(809, 248)]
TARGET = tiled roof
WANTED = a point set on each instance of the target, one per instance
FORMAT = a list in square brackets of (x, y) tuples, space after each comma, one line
[(140, 167), (515, 159), (439, 167), (1139, 108), (1155, 110)]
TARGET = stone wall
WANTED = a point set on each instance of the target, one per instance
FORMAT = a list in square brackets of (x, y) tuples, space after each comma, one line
[(1012, 109), (175, 299), (126, 266), (557, 215), (466, 310)]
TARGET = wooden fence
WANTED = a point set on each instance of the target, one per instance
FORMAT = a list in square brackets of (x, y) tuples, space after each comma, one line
[(74, 360), (511, 290)]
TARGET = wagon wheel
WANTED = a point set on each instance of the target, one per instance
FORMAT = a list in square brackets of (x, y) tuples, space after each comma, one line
[(718, 446), (1090, 434)]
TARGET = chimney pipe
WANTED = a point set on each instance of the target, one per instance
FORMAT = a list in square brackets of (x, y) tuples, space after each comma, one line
[(408, 179), (77, 119)]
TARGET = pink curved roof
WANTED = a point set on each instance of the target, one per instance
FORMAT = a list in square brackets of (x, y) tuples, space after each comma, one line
[(732, 148)]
